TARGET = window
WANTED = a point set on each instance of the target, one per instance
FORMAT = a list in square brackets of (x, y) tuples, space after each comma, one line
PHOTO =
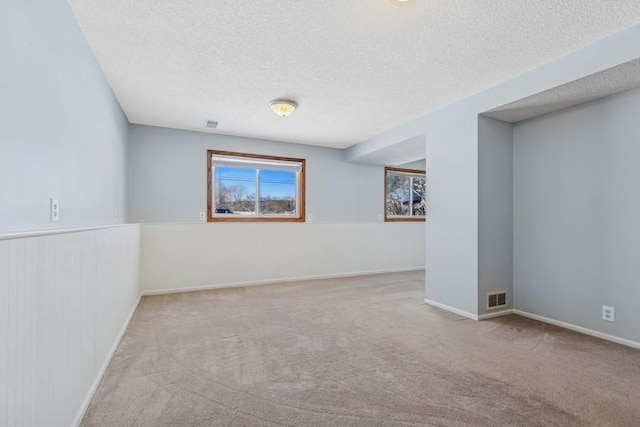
[(404, 194), (251, 187)]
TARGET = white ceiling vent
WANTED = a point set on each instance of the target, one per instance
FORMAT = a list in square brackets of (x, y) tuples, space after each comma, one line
[(496, 300), (211, 124)]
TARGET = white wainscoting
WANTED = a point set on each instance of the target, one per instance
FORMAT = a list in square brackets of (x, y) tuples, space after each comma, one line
[(181, 257), (64, 302)]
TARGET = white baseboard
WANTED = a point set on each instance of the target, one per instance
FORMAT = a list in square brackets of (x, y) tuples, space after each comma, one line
[(273, 281), (103, 368), (452, 309), (580, 329), (494, 314), (467, 314), (565, 325)]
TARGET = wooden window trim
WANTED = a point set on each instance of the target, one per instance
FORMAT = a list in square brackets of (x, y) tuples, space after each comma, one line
[(388, 169), (301, 189)]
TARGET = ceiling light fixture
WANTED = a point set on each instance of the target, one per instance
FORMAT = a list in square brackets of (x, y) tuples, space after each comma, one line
[(283, 107)]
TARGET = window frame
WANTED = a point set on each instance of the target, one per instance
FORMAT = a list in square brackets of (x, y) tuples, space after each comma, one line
[(257, 218), (388, 218)]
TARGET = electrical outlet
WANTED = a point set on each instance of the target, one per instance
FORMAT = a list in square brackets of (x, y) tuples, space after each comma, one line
[(54, 210), (115, 216), (309, 217), (202, 216), (608, 313), (379, 218)]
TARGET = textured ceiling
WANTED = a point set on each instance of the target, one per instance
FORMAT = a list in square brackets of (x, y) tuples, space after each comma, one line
[(356, 67), (608, 82)]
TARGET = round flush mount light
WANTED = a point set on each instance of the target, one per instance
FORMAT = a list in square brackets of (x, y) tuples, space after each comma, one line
[(283, 107)]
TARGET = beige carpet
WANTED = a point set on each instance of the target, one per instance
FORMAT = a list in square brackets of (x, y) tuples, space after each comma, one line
[(359, 351)]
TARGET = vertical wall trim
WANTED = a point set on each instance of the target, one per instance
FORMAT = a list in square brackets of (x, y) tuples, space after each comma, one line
[(66, 299)]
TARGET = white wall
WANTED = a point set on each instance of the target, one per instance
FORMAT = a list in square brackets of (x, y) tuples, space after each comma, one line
[(168, 176), (495, 210), (66, 299), (62, 133), (576, 233), (168, 182), (188, 256)]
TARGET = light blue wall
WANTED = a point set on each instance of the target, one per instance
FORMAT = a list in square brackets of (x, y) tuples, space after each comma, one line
[(418, 164), (576, 205), (62, 132), (168, 176), (452, 164), (451, 276), (495, 210)]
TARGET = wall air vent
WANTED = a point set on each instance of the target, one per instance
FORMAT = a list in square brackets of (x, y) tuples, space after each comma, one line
[(211, 124), (496, 300)]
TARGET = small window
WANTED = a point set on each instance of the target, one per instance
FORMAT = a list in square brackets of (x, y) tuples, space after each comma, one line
[(404, 194), (251, 187)]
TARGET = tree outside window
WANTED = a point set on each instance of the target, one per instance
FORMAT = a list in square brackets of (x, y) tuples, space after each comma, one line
[(405, 191)]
